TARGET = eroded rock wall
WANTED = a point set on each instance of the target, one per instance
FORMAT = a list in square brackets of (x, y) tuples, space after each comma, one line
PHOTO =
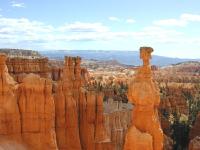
[(19, 67)]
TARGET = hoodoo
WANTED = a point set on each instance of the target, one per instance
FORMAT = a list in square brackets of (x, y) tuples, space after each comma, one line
[(145, 132)]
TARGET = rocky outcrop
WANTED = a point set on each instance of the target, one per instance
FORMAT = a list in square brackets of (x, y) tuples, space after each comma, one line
[(145, 132)]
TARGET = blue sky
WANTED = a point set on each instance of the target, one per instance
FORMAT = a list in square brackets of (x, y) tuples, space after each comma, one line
[(171, 27)]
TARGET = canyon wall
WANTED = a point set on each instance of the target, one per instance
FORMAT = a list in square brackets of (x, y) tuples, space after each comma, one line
[(64, 113)]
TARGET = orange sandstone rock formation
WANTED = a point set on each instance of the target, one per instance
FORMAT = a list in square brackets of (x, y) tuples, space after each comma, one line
[(92, 130), (61, 114), (37, 111), (10, 125), (145, 132), (19, 67), (67, 125)]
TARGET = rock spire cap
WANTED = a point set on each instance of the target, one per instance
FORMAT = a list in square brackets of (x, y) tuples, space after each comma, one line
[(145, 55)]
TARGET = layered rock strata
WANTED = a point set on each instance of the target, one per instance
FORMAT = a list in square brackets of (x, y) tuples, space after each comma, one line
[(19, 67)]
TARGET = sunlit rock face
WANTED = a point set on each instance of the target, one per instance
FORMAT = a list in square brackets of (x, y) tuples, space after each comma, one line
[(66, 105), (145, 131), (37, 112), (10, 125), (40, 114), (79, 112)]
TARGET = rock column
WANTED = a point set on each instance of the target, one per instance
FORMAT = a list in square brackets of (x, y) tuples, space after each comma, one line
[(145, 132)]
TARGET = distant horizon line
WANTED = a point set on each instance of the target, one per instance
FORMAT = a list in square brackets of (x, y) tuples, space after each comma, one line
[(43, 50)]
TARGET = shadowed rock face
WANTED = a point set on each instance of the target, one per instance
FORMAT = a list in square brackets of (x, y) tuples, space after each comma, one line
[(145, 132)]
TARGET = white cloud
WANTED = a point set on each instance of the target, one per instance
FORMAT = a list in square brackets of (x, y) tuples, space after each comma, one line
[(114, 19), (22, 30), (28, 33), (19, 30), (170, 22), (84, 27), (182, 21), (130, 21), (17, 4)]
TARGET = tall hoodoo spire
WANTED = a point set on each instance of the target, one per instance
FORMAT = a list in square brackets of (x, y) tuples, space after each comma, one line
[(145, 132)]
